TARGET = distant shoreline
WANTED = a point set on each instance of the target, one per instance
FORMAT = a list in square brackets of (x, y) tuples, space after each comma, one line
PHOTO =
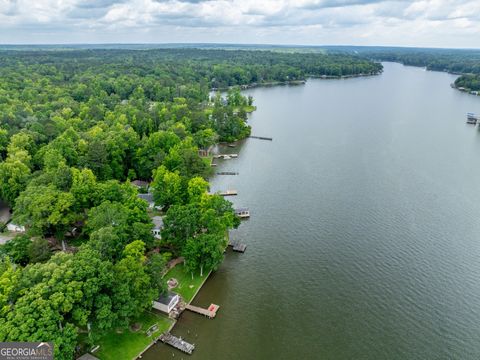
[(293, 82)]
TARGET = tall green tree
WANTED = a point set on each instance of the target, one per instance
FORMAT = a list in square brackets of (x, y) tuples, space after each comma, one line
[(167, 187), (44, 210), (204, 252), (132, 292)]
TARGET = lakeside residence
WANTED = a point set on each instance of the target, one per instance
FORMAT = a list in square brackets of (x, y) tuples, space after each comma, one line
[(148, 197), (166, 302), (157, 226), (140, 184)]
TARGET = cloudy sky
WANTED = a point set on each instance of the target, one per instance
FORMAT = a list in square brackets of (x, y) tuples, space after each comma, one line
[(433, 23)]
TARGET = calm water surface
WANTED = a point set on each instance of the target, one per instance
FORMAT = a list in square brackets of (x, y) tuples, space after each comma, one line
[(364, 240)]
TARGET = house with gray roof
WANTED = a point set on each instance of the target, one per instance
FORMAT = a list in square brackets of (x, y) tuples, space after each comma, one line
[(166, 302), (157, 226)]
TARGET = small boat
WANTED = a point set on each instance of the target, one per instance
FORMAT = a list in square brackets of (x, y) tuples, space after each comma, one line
[(231, 145), (226, 157)]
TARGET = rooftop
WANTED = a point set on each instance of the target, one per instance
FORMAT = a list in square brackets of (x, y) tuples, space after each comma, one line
[(140, 183), (166, 298), (157, 221), (87, 356), (147, 197)]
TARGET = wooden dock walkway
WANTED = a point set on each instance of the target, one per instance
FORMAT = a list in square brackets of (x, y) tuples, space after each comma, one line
[(228, 193), (177, 343), (211, 312), (227, 173), (261, 137), (225, 156)]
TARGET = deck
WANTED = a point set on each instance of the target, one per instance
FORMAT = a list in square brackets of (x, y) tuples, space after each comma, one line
[(225, 156), (228, 193), (237, 246), (177, 343), (261, 137), (211, 312)]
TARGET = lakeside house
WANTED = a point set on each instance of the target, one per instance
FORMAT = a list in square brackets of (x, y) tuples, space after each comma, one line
[(140, 184), (15, 228), (166, 302), (149, 199), (157, 226)]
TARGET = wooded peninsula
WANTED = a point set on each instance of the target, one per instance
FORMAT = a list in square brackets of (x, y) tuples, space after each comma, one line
[(84, 133)]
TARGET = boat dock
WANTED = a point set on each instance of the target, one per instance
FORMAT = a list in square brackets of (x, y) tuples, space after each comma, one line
[(227, 173), (226, 156), (261, 137), (237, 246), (242, 213), (177, 343), (472, 118), (228, 193), (211, 312)]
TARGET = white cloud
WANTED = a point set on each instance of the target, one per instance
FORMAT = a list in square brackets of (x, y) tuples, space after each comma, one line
[(450, 23)]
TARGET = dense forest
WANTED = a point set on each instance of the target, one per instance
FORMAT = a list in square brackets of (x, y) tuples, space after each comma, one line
[(468, 82), (76, 127)]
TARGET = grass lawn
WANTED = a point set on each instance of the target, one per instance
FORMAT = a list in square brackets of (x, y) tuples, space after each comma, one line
[(250, 108), (128, 344), (247, 108), (186, 286)]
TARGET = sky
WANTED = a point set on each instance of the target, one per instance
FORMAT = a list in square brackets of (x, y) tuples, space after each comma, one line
[(423, 23)]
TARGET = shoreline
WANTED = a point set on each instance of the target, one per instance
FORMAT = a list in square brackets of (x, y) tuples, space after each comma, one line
[(174, 263), (452, 85), (246, 87), (155, 341), (294, 82), (465, 90)]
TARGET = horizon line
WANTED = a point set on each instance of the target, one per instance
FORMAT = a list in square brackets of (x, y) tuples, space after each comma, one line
[(230, 44)]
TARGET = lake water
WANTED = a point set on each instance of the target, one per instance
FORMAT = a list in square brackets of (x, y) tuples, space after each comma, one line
[(364, 237)]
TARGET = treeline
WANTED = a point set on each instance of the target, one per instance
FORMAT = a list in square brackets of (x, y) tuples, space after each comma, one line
[(456, 61), (464, 62), (170, 68), (469, 82), (75, 128)]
